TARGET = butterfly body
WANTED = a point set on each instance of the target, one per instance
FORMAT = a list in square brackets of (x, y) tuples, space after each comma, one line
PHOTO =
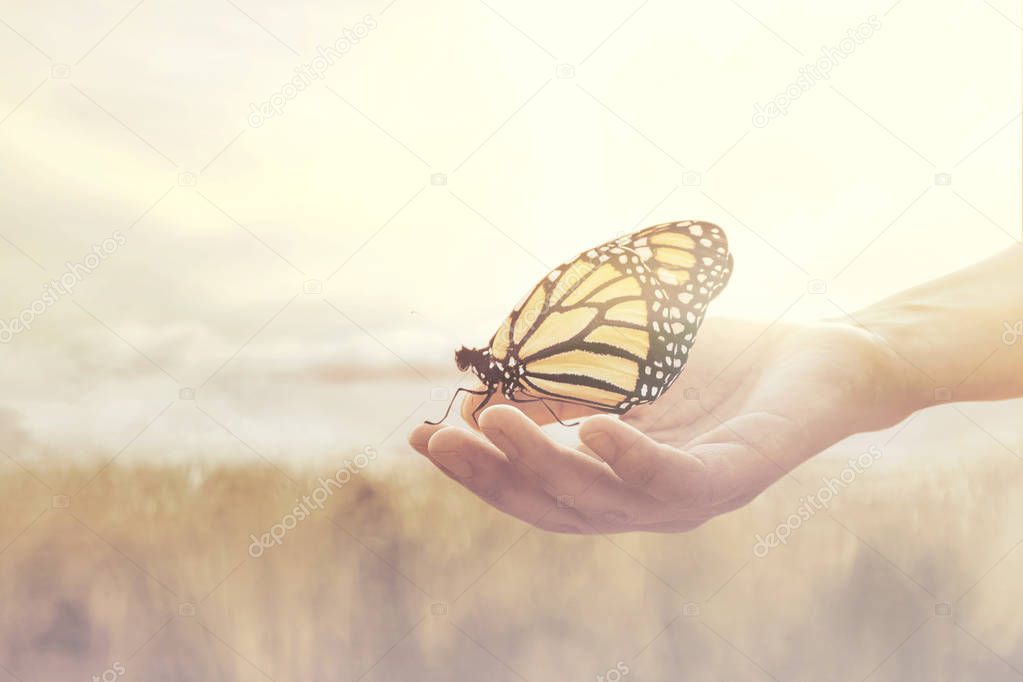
[(490, 371), (612, 328)]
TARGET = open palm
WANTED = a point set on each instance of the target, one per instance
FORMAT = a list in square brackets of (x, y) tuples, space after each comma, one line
[(752, 404)]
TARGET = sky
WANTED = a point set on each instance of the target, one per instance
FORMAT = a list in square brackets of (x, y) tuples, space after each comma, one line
[(275, 244)]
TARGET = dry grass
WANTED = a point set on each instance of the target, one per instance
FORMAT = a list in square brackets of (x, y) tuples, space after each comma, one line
[(404, 577)]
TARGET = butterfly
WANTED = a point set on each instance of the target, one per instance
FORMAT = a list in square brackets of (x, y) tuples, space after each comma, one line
[(610, 329)]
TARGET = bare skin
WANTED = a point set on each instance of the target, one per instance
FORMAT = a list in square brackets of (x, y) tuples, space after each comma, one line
[(742, 415)]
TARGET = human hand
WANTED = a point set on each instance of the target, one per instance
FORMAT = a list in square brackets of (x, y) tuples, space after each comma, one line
[(740, 417)]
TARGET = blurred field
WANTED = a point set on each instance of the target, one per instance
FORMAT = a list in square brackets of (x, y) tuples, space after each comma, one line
[(404, 576)]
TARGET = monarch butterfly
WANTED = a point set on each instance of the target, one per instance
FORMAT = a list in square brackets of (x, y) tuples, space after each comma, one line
[(610, 329)]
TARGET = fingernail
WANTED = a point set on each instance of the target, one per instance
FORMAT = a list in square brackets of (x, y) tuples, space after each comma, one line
[(457, 465), (498, 438)]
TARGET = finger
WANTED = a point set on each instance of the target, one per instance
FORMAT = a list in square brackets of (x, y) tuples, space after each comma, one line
[(531, 451), (483, 469), (663, 472), (768, 439), (419, 437), (535, 409), (572, 478), (746, 454)]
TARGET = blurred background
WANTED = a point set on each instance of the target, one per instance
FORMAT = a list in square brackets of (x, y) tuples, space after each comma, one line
[(275, 221)]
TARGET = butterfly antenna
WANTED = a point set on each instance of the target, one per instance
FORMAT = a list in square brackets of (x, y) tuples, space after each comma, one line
[(555, 414), (448, 411)]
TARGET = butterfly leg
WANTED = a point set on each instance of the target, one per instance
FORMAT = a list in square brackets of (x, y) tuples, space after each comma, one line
[(460, 390), (548, 407), (555, 415), (479, 408)]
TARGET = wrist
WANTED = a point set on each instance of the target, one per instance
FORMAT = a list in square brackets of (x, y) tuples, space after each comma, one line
[(899, 339), (891, 385), (948, 337)]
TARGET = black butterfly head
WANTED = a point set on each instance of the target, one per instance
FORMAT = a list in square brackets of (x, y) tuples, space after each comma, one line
[(463, 358), (476, 360), (468, 357)]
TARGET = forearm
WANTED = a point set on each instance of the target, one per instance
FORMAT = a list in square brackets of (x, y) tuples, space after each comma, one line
[(958, 337)]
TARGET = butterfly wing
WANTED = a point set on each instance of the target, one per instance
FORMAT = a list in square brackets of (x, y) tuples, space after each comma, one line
[(613, 328)]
